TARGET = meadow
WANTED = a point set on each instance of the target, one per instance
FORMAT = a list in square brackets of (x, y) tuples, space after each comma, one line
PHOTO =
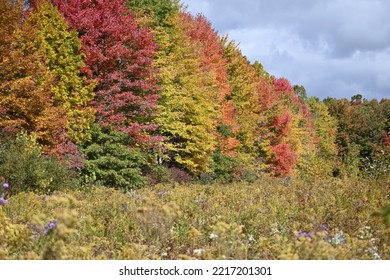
[(270, 218)]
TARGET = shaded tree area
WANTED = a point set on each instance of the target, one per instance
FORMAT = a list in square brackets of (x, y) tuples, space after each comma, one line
[(362, 131)]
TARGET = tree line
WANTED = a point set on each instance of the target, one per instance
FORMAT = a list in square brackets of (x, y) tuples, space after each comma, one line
[(129, 92)]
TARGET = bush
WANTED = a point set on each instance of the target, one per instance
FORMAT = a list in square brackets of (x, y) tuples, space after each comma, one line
[(178, 175), (111, 162), (25, 168), (226, 168)]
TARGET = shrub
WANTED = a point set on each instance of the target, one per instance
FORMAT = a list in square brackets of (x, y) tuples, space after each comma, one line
[(224, 168), (26, 168), (111, 161), (178, 175)]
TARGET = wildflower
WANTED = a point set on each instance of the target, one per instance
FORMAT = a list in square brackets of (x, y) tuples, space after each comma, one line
[(376, 256), (199, 199), (5, 185), (50, 226), (324, 227), (53, 224), (338, 238), (251, 238), (45, 230), (213, 235), (199, 251), (303, 233), (3, 201)]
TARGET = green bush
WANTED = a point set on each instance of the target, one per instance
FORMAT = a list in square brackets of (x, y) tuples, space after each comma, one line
[(223, 169), (111, 162), (25, 168)]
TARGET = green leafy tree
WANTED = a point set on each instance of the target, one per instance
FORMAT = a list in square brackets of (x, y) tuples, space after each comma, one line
[(300, 91), (110, 161), (25, 167), (362, 127)]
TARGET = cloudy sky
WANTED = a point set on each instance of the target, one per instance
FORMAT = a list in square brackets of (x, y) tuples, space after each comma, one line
[(334, 48)]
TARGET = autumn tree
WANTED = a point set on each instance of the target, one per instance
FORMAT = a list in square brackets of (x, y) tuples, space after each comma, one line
[(119, 58), (62, 48), (326, 127), (245, 95), (362, 129), (26, 89), (326, 131), (187, 116), (10, 19), (154, 13), (211, 53), (288, 140)]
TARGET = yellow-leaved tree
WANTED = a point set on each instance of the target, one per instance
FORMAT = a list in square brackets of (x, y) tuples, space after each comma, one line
[(188, 104)]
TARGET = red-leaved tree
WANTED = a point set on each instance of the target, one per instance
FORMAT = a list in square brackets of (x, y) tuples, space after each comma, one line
[(284, 159), (281, 124), (119, 58)]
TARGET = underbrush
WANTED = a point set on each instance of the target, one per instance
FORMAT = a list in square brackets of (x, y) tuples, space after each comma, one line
[(267, 219)]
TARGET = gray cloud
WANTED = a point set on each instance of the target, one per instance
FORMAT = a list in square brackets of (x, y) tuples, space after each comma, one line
[(334, 48)]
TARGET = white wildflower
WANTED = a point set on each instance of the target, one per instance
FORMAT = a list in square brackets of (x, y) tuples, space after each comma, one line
[(213, 235), (199, 251)]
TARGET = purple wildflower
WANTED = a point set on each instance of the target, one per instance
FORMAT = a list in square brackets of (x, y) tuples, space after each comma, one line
[(3, 201), (303, 233), (53, 224), (45, 230), (50, 226), (324, 227), (5, 185)]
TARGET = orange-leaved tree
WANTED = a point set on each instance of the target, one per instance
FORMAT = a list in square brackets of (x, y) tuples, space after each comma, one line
[(211, 53), (26, 89)]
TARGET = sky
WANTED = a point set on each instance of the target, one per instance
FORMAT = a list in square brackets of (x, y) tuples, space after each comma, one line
[(335, 48)]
